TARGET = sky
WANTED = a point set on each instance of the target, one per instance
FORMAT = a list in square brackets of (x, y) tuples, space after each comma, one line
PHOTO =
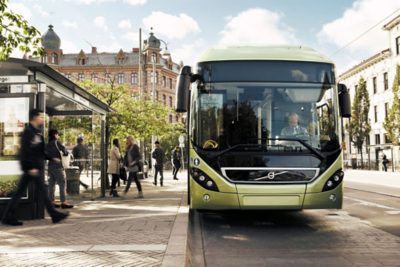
[(347, 31)]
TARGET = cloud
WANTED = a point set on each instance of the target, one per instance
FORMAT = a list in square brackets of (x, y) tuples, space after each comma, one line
[(69, 46), (133, 37), (135, 2), (70, 24), (39, 9), (170, 26), (362, 15), (89, 2), (185, 52), (256, 27), (21, 9), (100, 22), (125, 24)]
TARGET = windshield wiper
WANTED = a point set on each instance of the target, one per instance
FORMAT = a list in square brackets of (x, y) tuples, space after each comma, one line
[(215, 155), (308, 146)]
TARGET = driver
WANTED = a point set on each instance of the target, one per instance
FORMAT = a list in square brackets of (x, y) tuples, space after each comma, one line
[(294, 128)]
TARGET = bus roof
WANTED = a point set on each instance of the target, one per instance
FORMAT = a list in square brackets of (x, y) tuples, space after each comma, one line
[(289, 53)]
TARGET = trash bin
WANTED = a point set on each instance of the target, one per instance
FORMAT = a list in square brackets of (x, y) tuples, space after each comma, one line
[(73, 179), (354, 163)]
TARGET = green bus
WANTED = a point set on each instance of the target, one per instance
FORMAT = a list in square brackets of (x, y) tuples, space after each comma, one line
[(264, 129)]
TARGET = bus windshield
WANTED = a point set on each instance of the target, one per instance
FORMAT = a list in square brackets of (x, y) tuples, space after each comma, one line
[(279, 116)]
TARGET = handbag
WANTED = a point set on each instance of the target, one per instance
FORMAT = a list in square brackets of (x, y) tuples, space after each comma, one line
[(65, 159), (122, 174)]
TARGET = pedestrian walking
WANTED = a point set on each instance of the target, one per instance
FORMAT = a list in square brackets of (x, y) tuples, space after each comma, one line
[(114, 167), (56, 172), (132, 162), (385, 161), (32, 158), (81, 155), (176, 161), (158, 155)]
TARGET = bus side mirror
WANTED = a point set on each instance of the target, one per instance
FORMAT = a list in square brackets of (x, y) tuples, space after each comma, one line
[(182, 89), (344, 101)]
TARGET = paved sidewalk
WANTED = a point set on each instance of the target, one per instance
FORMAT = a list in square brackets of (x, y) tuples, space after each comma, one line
[(107, 231)]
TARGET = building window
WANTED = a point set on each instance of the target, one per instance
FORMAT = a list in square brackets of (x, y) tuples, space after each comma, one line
[(81, 76), (374, 84), (154, 58), (82, 61), (170, 101), (176, 118), (375, 113), (154, 78), (164, 81), (156, 95), (367, 140), (134, 78), (170, 118), (107, 77), (44, 59), (121, 78), (387, 139), (68, 76), (398, 45), (377, 139), (386, 110), (385, 81), (120, 61), (94, 77), (54, 58), (164, 99), (170, 83)]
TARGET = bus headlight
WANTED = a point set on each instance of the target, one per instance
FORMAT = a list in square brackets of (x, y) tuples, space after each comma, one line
[(334, 181), (203, 179)]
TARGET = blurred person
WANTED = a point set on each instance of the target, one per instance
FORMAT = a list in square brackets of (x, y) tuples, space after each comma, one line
[(81, 155), (32, 158), (158, 155), (132, 162), (176, 161), (114, 167), (55, 170)]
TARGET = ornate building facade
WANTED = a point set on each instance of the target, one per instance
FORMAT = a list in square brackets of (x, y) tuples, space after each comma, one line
[(136, 70)]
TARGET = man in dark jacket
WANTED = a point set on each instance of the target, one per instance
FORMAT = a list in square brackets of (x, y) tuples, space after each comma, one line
[(32, 157), (81, 155), (158, 156)]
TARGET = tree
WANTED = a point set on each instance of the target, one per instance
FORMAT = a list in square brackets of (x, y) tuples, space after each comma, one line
[(15, 32), (392, 121), (360, 126)]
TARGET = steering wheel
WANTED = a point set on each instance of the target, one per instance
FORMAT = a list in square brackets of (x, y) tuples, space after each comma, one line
[(210, 144)]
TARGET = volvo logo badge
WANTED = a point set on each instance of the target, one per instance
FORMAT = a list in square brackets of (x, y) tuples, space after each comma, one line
[(271, 175)]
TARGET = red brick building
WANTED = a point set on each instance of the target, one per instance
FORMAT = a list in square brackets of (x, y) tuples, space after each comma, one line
[(121, 67)]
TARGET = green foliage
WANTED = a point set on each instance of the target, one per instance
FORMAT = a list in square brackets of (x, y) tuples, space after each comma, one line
[(16, 33), (8, 184), (139, 117), (360, 126), (392, 121)]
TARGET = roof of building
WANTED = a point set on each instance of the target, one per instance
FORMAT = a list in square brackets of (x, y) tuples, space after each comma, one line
[(50, 39), (289, 53), (366, 63), (394, 22)]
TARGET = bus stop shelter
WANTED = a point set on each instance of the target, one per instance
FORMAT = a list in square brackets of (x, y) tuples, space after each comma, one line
[(25, 85)]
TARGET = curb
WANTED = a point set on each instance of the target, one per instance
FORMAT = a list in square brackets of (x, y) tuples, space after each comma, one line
[(175, 254)]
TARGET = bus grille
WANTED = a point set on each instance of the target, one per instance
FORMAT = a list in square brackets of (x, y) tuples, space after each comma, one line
[(270, 175)]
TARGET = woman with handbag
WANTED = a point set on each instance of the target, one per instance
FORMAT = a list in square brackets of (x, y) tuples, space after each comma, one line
[(55, 150), (114, 167), (131, 162)]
